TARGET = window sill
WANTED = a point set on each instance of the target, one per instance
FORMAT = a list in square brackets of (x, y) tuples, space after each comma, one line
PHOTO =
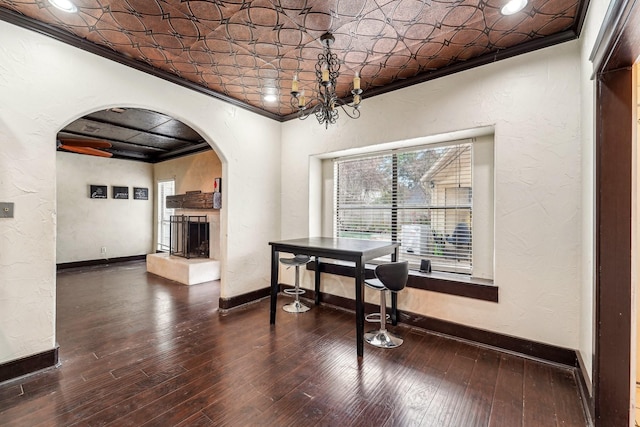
[(446, 283)]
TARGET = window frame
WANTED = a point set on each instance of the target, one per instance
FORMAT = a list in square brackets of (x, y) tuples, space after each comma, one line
[(321, 184), (399, 209)]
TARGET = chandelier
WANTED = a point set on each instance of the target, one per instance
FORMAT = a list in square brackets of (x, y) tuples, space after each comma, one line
[(324, 105)]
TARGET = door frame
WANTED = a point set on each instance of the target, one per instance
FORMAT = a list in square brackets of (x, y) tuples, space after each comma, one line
[(615, 52)]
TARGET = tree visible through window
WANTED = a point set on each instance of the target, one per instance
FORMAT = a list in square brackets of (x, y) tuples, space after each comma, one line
[(422, 198)]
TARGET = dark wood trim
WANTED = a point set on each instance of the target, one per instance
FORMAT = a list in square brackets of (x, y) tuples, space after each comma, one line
[(583, 382), (60, 35), (92, 262), (238, 300), (615, 41), (522, 346), (548, 352), (28, 365), (614, 140), (446, 284), (615, 51), (581, 16)]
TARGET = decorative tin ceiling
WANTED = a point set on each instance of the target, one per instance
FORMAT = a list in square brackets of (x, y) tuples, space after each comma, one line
[(236, 49)]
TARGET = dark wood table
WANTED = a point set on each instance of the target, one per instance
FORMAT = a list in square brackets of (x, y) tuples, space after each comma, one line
[(354, 250)]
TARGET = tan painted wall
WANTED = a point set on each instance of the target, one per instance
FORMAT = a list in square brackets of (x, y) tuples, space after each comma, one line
[(192, 173)]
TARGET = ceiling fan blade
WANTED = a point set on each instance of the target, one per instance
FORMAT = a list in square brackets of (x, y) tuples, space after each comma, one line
[(86, 150), (94, 143)]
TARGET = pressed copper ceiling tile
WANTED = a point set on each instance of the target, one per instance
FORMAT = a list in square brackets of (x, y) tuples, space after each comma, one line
[(243, 48), (213, 44), (213, 80), (205, 14), (401, 13), (469, 36), (557, 7), (463, 16), (558, 24), (312, 16)]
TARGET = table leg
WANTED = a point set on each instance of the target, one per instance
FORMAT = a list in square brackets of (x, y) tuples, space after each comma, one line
[(317, 280), (274, 285), (359, 276)]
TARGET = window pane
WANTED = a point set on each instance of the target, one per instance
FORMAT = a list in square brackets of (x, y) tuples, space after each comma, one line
[(165, 188), (422, 198)]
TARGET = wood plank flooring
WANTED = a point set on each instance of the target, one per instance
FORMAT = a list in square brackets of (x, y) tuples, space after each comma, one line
[(139, 350)]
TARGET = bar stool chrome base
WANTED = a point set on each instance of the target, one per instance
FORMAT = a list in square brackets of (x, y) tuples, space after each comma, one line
[(295, 307), (383, 339), (375, 318)]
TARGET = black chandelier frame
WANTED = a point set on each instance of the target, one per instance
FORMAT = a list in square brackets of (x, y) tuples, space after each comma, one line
[(325, 104)]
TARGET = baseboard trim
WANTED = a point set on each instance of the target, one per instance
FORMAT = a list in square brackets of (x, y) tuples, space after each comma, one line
[(585, 388), (92, 262), (521, 346), (28, 365), (225, 304)]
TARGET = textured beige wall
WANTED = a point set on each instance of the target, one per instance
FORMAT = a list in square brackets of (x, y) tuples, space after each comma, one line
[(122, 226), (533, 103), (44, 85)]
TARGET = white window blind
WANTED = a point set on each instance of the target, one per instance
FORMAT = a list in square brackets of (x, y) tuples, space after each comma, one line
[(421, 198)]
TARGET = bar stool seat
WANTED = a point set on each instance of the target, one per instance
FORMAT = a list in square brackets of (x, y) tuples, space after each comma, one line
[(389, 277), (296, 306)]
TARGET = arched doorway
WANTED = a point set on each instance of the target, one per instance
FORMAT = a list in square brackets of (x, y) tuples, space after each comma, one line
[(123, 153)]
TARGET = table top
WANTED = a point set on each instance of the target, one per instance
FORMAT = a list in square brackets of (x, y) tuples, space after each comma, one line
[(341, 248)]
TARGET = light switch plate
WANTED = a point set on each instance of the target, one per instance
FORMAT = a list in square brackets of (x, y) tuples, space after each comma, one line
[(6, 209)]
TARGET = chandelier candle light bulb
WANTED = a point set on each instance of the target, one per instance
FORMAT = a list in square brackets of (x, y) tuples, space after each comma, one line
[(356, 80), (301, 100), (294, 84), (325, 74)]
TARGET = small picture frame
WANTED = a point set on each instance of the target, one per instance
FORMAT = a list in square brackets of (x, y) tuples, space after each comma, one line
[(97, 191), (217, 185), (140, 193), (119, 192)]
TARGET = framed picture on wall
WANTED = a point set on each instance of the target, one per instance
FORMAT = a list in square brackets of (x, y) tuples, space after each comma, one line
[(119, 192), (140, 193), (217, 185), (97, 191)]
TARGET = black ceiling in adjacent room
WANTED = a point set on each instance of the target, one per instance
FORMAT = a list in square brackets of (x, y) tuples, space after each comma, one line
[(136, 134)]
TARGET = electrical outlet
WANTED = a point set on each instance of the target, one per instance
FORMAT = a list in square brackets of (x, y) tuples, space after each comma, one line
[(103, 250)]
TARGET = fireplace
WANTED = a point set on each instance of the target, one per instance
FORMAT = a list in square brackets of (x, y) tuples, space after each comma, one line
[(189, 236)]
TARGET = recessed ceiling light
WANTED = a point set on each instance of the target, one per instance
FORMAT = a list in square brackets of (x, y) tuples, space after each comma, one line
[(513, 6), (270, 97), (64, 5)]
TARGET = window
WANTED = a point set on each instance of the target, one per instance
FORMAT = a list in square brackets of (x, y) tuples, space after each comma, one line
[(165, 188), (421, 197)]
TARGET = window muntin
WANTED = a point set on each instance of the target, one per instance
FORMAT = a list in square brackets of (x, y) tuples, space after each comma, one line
[(420, 197)]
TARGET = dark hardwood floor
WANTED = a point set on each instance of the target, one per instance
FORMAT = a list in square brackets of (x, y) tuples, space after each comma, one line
[(136, 350)]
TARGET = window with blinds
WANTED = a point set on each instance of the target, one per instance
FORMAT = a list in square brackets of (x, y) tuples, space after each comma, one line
[(421, 198)]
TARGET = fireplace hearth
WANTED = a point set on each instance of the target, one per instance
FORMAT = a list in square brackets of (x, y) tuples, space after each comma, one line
[(189, 236)]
